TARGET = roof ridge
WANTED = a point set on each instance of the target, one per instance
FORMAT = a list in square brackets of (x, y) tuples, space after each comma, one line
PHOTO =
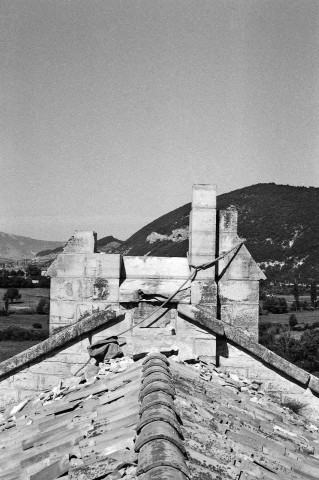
[(161, 452)]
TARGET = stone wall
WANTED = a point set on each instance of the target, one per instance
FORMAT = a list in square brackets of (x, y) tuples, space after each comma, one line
[(238, 279), (99, 295), (46, 364), (303, 389)]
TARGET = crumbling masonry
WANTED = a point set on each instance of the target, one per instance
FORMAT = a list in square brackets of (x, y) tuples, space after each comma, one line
[(214, 316)]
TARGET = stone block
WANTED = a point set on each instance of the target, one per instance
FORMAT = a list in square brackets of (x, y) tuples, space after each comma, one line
[(314, 384), (81, 242), (50, 381), (156, 267), (9, 396), (81, 289), (152, 316), (198, 260), (25, 380), (228, 240), (77, 348), (204, 196), (204, 291), (283, 386), (62, 310), (47, 367), (243, 316), (114, 329), (159, 289), (205, 347), (74, 358), (203, 220), (68, 265), (141, 345), (25, 393), (238, 291), (228, 220), (102, 265), (239, 265), (183, 326), (202, 243)]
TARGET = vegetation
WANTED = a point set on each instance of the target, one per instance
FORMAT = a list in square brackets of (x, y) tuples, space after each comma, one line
[(313, 293), (18, 279), (36, 325), (294, 405), (43, 306), (19, 334), (293, 320), (275, 305), (12, 294), (303, 352)]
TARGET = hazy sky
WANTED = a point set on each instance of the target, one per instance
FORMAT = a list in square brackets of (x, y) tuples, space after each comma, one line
[(111, 110)]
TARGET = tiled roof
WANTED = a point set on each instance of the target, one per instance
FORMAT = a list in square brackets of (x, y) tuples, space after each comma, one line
[(156, 419)]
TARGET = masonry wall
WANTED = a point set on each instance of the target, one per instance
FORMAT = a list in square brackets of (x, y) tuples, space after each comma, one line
[(238, 278), (233, 359), (170, 333)]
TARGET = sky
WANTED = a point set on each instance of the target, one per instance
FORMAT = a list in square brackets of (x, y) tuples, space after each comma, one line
[(112, 109)]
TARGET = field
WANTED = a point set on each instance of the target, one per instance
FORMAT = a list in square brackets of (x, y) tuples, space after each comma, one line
[(18, 318), (283, 318), (29, 297), (9, 348)]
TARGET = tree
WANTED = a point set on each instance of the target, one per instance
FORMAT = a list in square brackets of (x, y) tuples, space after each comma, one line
[(313, 293), (293, 320), (43, 306), (295, 292), (33, 271), (275, 305), (11, 294)]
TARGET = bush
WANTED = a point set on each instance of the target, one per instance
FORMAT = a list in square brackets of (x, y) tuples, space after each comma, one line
[(293, 320), (36, 325), (275, 305), (20, 334), (293, 405), (43, 306)]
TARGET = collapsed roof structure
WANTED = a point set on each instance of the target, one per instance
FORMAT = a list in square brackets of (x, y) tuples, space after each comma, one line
[(153, 370)]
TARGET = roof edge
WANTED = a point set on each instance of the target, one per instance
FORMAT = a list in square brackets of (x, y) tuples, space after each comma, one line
[(236, 336), (60, 339)]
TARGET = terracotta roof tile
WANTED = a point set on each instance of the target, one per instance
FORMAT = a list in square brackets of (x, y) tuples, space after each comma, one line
[(156, 419)]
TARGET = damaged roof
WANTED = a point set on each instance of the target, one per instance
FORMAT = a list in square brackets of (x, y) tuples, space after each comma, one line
[(156, 418)]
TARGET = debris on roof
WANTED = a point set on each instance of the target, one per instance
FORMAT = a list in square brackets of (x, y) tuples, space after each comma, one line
[(234, 430), (156, 418)]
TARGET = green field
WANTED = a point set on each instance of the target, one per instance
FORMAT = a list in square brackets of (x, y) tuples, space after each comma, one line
[(9, 348), (283, 318), (25, 321), (29, 299)]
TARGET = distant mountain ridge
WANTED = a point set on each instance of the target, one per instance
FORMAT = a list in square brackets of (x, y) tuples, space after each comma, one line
[(107, 244), (17, 247), (279, 222)]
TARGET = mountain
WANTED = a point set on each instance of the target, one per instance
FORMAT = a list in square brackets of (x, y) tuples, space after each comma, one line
[(279, 222), (107, 244), (16, 247)]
